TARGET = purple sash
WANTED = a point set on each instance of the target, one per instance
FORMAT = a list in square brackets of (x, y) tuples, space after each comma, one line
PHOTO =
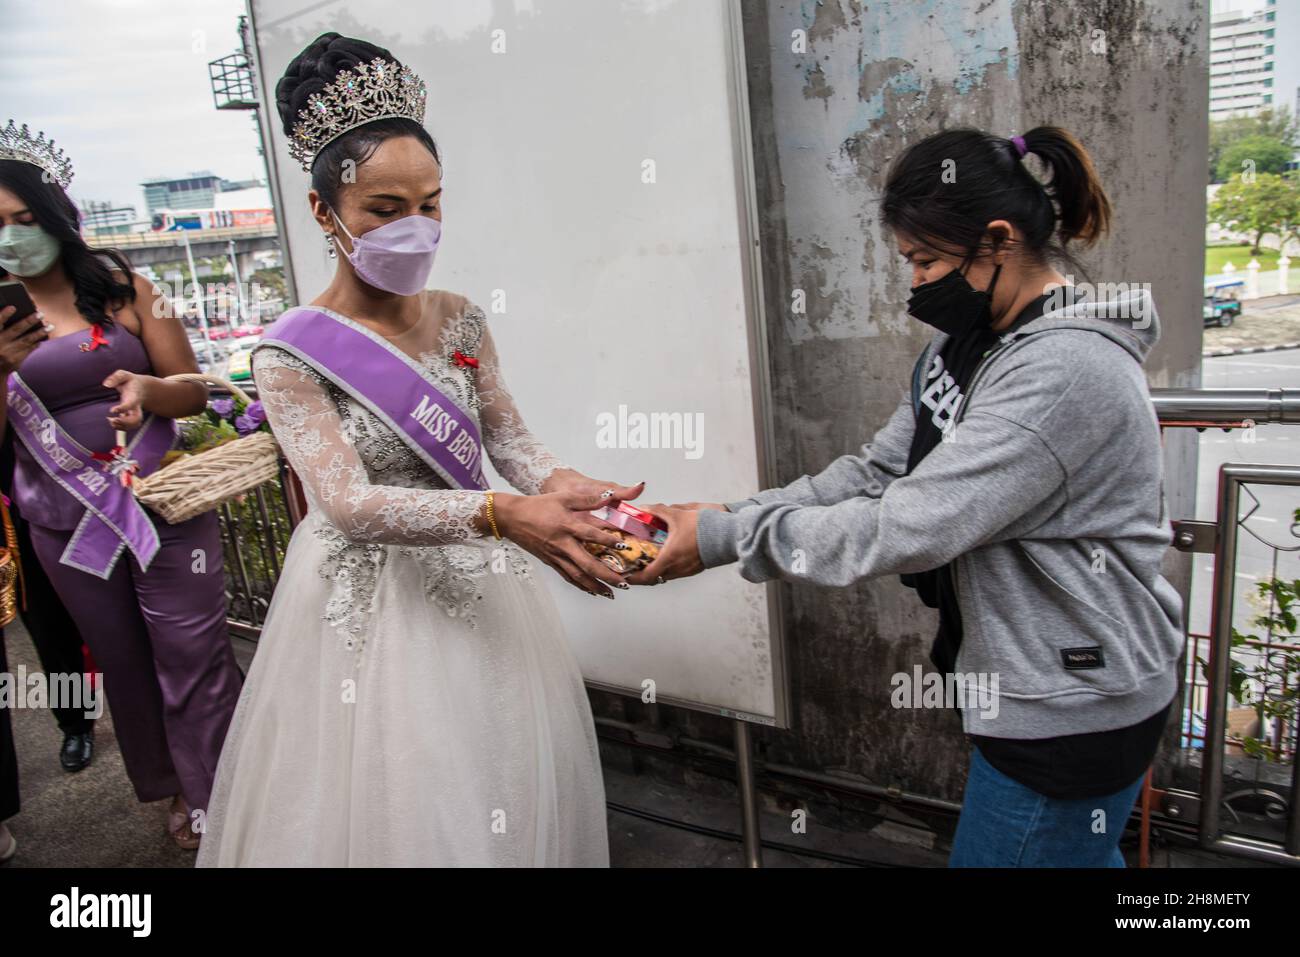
[(114, 520), (391, 385)]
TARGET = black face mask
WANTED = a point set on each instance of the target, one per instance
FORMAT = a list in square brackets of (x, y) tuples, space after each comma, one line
[(952, 305)]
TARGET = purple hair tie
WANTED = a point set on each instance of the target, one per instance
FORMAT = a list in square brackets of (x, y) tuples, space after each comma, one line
[(1019, 143)]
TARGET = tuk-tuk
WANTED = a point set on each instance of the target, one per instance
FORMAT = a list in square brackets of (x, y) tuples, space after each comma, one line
[(1222, 302)]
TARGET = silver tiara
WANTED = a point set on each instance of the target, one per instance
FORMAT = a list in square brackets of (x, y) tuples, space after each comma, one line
[(378, 90), (19, 144)]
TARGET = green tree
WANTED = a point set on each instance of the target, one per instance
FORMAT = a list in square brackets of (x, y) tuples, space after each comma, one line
[(1267, 203), (1264, 153), (271, 282), (1278, 125)]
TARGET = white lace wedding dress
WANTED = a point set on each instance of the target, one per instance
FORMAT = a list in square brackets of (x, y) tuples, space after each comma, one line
[(413, 700)]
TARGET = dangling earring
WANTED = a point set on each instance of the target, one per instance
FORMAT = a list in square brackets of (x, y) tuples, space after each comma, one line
[(329, 244)]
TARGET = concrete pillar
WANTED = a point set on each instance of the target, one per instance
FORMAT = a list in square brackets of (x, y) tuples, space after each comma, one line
[(247, 265)]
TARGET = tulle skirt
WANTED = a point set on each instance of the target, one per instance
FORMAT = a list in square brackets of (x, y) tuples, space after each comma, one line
[(433, 744)]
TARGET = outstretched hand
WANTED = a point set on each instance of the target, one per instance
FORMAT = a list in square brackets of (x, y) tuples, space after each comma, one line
[(131, 388), (575, 483), (554, 528), (680, 555)]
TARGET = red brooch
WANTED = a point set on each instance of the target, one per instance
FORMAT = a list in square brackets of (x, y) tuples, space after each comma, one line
[(117, 462), (96, 338), (463, 360)]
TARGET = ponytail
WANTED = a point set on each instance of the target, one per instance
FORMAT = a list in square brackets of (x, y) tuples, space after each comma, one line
[(1083, 208)]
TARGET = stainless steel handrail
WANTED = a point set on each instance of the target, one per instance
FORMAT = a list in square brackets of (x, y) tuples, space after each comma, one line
[(1227, 406)]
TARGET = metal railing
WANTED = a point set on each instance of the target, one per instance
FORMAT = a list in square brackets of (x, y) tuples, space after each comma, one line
[(255, 533), (1202, 408), (165, 239), (1227, 409)]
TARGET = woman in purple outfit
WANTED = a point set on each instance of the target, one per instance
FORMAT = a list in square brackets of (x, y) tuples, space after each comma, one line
[(148, 597)]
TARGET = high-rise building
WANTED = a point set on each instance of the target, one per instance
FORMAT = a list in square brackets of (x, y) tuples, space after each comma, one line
[(1254, 57), (192, 192)]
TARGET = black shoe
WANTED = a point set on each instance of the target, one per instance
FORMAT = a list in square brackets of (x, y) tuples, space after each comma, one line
[(77, 751)]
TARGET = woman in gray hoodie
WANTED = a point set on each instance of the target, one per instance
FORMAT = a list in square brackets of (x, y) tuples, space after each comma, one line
[(1018, 489)]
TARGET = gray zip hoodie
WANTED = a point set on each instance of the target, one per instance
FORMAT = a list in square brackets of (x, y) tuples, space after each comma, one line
[(1047, 491)]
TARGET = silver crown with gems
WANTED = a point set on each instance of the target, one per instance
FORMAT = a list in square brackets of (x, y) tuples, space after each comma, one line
[(17, 143), (378, 90)]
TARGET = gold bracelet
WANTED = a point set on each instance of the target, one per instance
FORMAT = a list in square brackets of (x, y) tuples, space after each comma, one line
[(491, 515)]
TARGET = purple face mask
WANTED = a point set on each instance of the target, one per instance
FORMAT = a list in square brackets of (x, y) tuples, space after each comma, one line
[(397, 257)]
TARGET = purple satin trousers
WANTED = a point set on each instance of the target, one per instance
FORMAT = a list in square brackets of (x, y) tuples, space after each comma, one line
[(161, 640)]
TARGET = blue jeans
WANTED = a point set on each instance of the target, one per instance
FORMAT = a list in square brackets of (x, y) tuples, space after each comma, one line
[(1005, 824)]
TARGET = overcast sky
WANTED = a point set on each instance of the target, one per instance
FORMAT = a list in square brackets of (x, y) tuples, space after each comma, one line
[(122, 86)]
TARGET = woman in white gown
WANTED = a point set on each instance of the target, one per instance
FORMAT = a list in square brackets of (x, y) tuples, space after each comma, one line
[(413, 700)]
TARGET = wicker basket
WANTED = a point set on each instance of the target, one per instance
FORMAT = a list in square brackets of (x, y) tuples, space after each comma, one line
[(199, 483), (10, 571)]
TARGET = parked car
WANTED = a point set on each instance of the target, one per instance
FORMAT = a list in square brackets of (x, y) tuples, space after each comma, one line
[(239, 366), (1222, 303)]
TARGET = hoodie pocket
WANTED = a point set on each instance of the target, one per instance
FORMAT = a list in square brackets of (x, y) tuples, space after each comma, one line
[(1043, 638)]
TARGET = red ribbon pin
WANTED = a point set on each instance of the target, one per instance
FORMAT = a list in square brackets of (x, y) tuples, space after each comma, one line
[(117, 463), (96, 339), (463, 360)]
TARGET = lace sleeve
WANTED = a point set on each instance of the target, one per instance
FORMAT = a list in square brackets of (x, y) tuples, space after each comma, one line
[(520, 458), (308, 427)]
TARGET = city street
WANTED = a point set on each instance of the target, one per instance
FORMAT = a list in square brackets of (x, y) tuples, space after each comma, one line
[(1272, 321)]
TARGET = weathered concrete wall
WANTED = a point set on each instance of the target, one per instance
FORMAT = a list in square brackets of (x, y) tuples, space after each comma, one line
[(827, 123)]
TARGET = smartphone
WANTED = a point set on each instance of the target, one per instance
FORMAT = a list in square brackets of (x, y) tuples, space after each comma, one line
[(13, 294)]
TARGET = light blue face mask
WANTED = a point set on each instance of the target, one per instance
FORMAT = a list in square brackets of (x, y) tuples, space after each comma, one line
[(27, 250)]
